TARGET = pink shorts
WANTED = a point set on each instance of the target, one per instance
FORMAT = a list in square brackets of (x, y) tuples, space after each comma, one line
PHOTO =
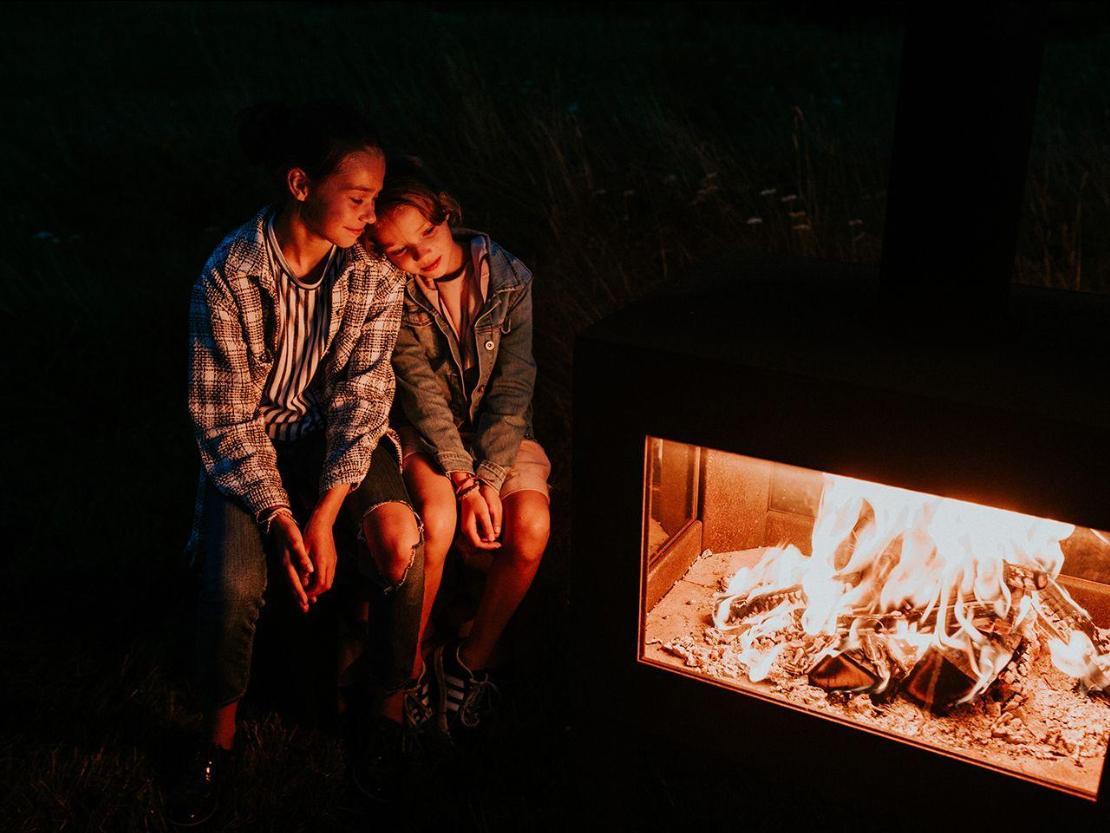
[(529, 473)]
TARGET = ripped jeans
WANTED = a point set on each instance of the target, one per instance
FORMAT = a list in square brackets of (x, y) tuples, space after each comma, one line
[(233, 572)]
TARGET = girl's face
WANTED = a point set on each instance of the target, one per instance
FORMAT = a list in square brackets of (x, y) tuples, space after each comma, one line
[(341, 205), (415, 245)]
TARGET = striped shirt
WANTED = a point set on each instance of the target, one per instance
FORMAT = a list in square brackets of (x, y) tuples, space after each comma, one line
[(290, 405)]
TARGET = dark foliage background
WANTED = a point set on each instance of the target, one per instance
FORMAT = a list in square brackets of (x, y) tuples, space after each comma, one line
[(610, 149)]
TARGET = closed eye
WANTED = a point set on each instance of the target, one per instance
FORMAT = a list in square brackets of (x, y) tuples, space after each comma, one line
[(428, 231)]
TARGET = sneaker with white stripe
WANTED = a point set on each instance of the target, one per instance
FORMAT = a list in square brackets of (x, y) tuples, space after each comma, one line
[(465, 696)]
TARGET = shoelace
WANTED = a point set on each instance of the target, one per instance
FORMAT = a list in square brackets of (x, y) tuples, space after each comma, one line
[(418, 705), (478, 698)]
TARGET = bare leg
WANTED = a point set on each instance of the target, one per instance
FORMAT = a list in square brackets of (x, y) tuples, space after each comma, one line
[(223, 725), (525, 530)]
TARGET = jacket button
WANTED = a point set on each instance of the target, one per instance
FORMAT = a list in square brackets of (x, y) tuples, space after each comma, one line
[(489, 345)]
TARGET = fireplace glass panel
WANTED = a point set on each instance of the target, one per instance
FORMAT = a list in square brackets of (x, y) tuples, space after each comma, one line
[(673, 492), (973, 631)]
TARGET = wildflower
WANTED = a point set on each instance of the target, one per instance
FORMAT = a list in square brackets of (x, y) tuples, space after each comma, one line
[(794, 215), (801, 227), (754, 221), (856, 222), (789, 198), (766, 192)]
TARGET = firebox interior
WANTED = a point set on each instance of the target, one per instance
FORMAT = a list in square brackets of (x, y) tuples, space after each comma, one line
[(969, 630)]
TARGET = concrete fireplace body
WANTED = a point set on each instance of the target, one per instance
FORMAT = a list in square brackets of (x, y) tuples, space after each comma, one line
[(716, 427)]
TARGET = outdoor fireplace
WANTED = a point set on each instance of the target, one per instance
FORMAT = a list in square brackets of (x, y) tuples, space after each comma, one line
[(715, 427), (847, 526)]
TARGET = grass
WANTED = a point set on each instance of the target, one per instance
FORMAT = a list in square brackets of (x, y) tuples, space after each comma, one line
[(609, 149)]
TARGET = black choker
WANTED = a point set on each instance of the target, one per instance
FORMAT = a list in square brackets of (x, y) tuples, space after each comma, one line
[(450, 276)]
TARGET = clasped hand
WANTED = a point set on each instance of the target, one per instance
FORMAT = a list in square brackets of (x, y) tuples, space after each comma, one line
[(308, 559), (480, 517)]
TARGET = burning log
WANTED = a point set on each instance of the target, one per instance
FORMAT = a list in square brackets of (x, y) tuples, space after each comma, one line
[(735, 610), (1010, 687), (846, 671), (940, 679), (866, 666), (1023, 579), (1061, 614)]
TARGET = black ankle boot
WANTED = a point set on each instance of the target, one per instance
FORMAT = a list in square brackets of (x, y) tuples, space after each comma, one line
[(197, 794)]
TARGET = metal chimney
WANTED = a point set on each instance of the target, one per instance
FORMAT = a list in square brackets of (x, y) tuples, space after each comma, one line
[(963, 128)]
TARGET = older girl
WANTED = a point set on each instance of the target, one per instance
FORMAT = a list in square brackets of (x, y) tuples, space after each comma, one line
[(465, 376), (291, 329)]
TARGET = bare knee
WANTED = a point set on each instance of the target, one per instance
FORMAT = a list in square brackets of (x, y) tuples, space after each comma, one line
[(528, 532), (392, 537)]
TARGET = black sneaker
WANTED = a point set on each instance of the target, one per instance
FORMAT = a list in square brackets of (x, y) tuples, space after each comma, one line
[(196, 796), (466, 698), (389, 758), (417, 704)]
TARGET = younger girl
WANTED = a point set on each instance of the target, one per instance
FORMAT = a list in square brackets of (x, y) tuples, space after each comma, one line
[(465, 376)]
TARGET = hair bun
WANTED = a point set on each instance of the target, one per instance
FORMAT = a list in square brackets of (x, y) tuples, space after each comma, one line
[(262, 128)]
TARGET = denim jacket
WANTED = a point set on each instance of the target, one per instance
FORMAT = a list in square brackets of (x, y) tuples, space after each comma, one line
[(428, 365)]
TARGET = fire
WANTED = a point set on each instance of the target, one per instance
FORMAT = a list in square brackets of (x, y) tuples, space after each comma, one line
[(1079, 658), (906, 591)]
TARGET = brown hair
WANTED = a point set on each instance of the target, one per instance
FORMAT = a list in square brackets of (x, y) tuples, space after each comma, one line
[(409, 182), (315, 137)]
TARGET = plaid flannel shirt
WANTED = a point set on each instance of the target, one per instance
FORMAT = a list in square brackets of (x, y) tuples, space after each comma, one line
[(233, 339)]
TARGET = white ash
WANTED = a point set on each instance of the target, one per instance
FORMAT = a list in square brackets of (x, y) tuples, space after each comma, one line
[(1033, 711)]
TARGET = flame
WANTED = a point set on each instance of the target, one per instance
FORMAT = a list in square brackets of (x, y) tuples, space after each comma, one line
[(911, 573), (1079, 658)]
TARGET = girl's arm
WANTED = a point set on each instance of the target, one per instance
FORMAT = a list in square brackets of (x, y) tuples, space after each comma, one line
[(424, 403), (501, 421), (223, 398), (361, 394)]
